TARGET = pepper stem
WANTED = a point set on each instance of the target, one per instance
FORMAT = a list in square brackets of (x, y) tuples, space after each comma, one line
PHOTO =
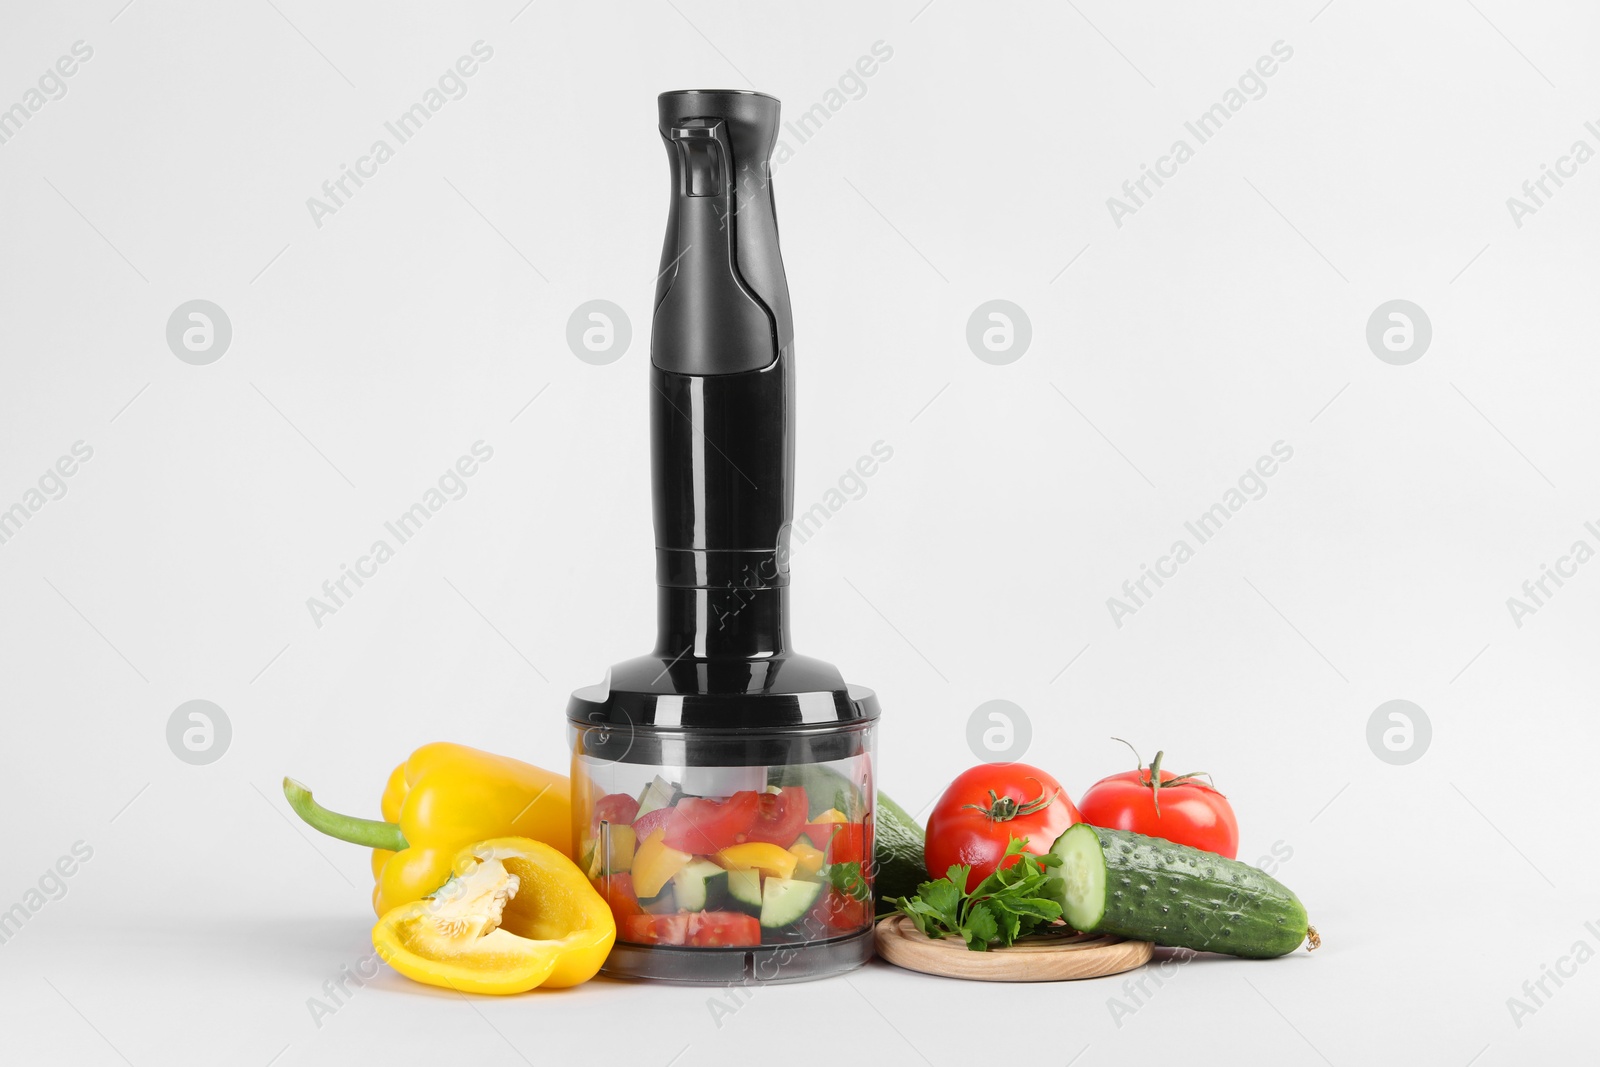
[(370, 833)]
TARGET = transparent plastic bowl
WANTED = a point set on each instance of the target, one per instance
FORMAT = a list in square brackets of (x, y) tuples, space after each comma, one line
[(740, 855)]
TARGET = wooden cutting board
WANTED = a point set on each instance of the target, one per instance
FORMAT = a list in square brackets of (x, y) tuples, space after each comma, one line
[(1051, 958)]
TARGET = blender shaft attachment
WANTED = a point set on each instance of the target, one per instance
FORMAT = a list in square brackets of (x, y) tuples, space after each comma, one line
[(721, 375)]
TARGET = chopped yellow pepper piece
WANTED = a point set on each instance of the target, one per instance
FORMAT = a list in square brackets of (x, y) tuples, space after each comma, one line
[(810, 859), (753, 855), (655, 864)]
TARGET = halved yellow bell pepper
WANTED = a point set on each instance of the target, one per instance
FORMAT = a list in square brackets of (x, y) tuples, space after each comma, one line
[(516, 914), (444, 797)]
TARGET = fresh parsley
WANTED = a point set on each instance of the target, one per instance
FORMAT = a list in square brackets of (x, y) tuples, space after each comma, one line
[(848, 879), (1010, 903)]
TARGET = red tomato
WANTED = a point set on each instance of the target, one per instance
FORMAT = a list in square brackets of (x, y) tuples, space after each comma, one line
[(712, 929), (618, 809), (985, 807), (1189, 812), (656, 929), (617, 891), (779, 816), (702, 826)]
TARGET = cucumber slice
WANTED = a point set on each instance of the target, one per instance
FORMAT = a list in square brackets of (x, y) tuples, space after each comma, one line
[(1134, 886), (659, 794), (700, 886), (744, 888), (663, 903), (786, 900), (1083, 876)]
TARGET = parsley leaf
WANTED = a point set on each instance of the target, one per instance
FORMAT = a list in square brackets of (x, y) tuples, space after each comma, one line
[(848, 879), (1009, 904)]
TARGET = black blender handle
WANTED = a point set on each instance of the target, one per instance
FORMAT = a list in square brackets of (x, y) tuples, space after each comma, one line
[(722, 301), (722, 415)]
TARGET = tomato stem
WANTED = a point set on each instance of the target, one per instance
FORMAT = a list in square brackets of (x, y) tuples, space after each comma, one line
[(1151, 776), (1004, 809)]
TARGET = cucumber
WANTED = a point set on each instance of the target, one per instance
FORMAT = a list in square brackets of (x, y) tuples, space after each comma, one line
[(663, 903), (1147, 889), (825, 787), (786, 900), (700, 886), (744, 889), (897, 851), (659, 794)]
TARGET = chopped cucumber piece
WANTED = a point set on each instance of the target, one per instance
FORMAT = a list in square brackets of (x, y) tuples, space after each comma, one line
[(744, 887), (659, 794), (786, 900), (663, 903), (700, 886)]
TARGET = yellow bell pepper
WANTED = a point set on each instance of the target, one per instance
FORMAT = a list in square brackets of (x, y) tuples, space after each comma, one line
[(515, 915), (613, 854), (809, 859), (655, 864), (757, 855), (443, 798)]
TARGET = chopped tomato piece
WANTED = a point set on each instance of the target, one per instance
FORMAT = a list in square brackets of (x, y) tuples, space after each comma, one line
[(710, 929), (617, 891), (618, 809), (650, 822), (656, 929), (779, 816), (701, 826), (842, 911), (848, 844), (820, 833)]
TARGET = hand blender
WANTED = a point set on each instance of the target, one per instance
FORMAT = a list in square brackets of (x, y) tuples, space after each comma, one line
[(723, 784)]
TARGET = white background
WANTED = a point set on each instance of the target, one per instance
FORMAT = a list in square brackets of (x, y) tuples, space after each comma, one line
[(1226, 314)]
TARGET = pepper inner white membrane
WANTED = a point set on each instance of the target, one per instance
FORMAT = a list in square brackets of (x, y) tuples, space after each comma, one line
[(471, 905)]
